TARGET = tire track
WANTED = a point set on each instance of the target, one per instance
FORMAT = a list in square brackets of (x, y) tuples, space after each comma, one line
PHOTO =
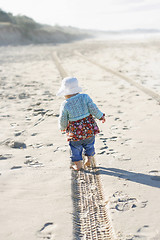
[(149, 92), (91, 220), (59, 66), (90, 217)]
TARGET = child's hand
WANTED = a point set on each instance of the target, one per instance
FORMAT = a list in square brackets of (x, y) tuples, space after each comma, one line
[(69, 136), (103, 119)]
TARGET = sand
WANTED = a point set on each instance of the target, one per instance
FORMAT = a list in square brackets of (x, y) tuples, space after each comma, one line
[(35, 178)]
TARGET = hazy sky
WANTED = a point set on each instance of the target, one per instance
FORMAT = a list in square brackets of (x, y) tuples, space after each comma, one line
[(91, 14)]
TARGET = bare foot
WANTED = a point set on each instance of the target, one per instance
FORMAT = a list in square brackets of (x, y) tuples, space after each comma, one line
[(77, 166), (87, 164), (89, 161), (74, 167)]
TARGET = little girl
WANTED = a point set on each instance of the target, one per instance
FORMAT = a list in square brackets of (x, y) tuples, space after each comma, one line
[(76, 118)]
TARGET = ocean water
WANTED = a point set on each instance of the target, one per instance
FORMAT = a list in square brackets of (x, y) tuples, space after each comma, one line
[(129, 36)]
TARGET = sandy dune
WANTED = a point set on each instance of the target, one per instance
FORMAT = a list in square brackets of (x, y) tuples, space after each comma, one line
[(36, 195)]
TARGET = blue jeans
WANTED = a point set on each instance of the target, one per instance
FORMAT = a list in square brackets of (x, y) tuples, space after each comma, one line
[(78, 146)]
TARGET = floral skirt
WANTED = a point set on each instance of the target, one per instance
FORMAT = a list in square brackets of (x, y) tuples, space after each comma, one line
[(83, 128)]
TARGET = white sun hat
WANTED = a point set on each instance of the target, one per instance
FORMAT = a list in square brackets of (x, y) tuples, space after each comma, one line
[(69, 86)]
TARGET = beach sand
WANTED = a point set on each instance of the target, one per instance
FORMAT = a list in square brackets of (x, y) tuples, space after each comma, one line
[(35, 178)]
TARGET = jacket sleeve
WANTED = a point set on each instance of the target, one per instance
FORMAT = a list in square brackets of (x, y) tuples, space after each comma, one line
[(93, 109), (63, 118)]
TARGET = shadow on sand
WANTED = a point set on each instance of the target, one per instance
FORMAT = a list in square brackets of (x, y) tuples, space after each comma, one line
[(146, 179)]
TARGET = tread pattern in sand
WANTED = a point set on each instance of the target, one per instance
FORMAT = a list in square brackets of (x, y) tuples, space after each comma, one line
[(90, 217)]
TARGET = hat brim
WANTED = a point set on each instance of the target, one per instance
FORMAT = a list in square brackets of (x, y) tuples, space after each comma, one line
[(64, 92)]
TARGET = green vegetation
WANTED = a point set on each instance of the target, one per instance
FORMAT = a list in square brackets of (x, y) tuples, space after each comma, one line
[(28, 31), (18, 20), (6, 17)]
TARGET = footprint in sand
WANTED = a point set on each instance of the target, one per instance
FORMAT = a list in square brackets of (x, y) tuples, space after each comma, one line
[(23, 95), (47, 231), (146, 232), (126, 203), (103, 152), (102, 148), (105, 149), (122, 202), (39, 111), (5, 156), (61, 149), (124, 206), (13, 144), (36, 145), (11, 97), (101, 134), (142, 233), (117, 119), (114, 138), (34, 134), (5, 116), (125, 128), (32, 162), (103, 139), (16, 167), (114, 127), (108, 152), (18, 133), (144, 228)]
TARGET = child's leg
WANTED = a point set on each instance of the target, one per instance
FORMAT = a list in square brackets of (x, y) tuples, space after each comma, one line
[(77, 165), (89, 161), (89, 150), (76, 154)]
